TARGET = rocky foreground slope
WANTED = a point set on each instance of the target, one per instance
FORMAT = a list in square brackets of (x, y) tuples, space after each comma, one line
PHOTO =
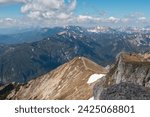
[(129, 68), (69, 81), (126, 91)]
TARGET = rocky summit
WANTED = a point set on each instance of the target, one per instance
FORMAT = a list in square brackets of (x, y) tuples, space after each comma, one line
[(133, 68), (126, 91), (67, 82)]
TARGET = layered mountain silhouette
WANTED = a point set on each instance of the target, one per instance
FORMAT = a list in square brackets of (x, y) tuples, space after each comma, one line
[(25, 61), (46, 63)]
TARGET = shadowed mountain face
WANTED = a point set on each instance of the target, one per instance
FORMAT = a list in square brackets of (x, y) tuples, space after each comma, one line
[(23, 62), (1, 84), (5, 90), (67, 82)]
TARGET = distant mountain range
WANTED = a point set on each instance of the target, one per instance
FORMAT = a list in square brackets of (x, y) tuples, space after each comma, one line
[(41, 51), (17, 36)]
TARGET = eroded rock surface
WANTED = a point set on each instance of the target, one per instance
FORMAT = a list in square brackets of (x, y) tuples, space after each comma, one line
[(125, 91), (128, 68)]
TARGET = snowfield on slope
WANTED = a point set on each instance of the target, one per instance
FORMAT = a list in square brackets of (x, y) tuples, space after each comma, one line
[(92, 98), (95, 77)]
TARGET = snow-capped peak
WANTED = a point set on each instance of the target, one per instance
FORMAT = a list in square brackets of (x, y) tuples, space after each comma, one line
[(98, 29)]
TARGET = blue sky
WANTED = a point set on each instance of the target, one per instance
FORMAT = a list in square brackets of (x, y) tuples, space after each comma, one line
[(118, 8), (10, 10), (82, 10)]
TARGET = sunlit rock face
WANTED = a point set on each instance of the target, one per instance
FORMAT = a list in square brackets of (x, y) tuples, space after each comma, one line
[(134, 68), (67, 82)]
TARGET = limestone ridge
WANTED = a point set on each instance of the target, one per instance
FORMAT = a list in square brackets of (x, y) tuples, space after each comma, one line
[(131, 68), (69, 81), (134, 68)]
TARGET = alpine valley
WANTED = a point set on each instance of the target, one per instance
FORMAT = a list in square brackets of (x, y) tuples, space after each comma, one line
[(61, 62)]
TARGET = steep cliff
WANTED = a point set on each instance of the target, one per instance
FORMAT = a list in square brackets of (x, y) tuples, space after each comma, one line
[(134, 68)]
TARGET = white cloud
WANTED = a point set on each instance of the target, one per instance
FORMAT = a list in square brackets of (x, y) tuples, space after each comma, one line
[(125, 20), (10, 22), (11, 1), (49, 9), (83, 18), (46, 12), (134, 15), (59, 12), (86, 18), (7, 22), (142, 18), (113, 19)]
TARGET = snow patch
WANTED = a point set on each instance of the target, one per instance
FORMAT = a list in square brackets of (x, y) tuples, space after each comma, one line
[(74, 37), (92, 98), (98, 29), (62, 33), (95, 77), (93, 31)]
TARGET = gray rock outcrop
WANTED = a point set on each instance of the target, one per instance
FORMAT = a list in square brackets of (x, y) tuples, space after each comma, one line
[(125, 91), (134, 68)]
